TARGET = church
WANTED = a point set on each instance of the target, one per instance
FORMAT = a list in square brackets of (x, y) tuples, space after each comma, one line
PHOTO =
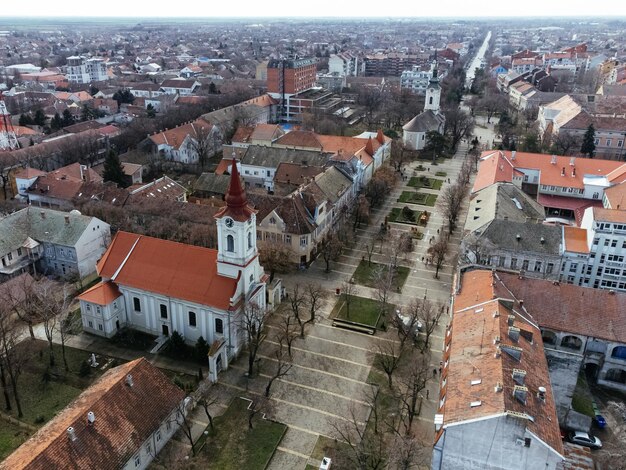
[(414, 131), (158, 286)]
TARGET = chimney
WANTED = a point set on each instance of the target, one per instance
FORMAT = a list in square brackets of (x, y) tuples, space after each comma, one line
[(129, 380), (67, 220), (574, 172), (519, 392), (553, 160), (541, 393), (521, 303), (83, 169), (518, 237), (572, 161), (514, 333), (71, 433), (91, 418), (513, 155), (43, 214), (498, 387), (542, 240), (563, 171)]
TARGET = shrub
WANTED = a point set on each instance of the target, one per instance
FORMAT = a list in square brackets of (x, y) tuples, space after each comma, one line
[(408, 213), (40, 419), (201, 350), (85, 369), (176, 345)]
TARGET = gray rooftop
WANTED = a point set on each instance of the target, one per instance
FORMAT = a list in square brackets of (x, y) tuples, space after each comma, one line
[(271, 157), (42, 225), (523, 237), (424, 122), (333, 183)]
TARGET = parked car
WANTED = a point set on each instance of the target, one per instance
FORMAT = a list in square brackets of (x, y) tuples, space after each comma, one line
[(600, 421), (585, 439)]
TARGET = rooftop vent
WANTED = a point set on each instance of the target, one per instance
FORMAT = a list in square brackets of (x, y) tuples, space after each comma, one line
[(43, 214), (91, 418), (542, 240), (518, 376), (71, 433), (541, 393), (572, 161), (496, 340), (476, 403), (518, 237), (476, 382), (553, 160), (520, 392), (498, 352), (563, 171), (513, 155), (498, 387), (513, 351), (129, 380)]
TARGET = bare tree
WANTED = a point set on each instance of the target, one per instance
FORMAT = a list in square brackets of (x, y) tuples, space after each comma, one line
[(47, 312), (361, 212), (12, 358), (316, 298), (493, 103), (566, 143), (428, 314), (297, 302), (330, 248), (459, 125), (275, 256), (438, 252), (261, 405), (66, 323), (476, 249), (18, 295), (288, 331), (388, 359), (205, 141), (253, 320), (206, 400), (409, 453), (182, 419), (413, 380), (350, 291), (382, 278), (282, 369), (452, 200)]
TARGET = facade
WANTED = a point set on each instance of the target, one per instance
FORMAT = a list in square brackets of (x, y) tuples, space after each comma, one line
[(345, 64), (167, 286), (389, 65), (51, 242), (82, 70), (416, 80), (183, 143), (496, 407), (109, 424), (179, 86), (431, 120), (290, 76)]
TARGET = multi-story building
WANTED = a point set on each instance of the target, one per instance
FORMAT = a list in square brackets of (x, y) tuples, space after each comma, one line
[(593, 255), (345, 64), (416, 80), (389, 65), (291, 82), (83, 70), (51, 242)]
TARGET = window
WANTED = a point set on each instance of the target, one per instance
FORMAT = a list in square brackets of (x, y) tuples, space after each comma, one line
[(90, 324), (268, 173), (620, 143), (573, 267), (249, 239), (88, 308), (136, 304), (168, 426), (537, 266), (550, 268), (158, 433), (149, 448), (303, 241), (10, 256), (288, 239), (137, 460), (19, 252), (230, 243), (98, 309), (513, 263), (192, 319), (608, 142), (163, 311), (219, 326), (525, 265), (100, 326), (272, 220), (613, 243)]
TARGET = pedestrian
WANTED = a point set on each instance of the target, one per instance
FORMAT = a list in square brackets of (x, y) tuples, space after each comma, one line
[(448, 310), (434, 372), (440, 371), (440, 364), (427, 393), (422, 259), (437, 231)]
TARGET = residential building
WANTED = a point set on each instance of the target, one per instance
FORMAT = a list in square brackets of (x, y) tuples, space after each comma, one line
[(290, 76), (504, 229), (108, 425), (162, 286), (163, 188), (416, 80), (573, 114), (58, 188), (430, 120), (51, 242), (186, 143), (345, 64), (24, 179), (179, 86), (564, 186), (389, 64), (82, 70), (496, 408)]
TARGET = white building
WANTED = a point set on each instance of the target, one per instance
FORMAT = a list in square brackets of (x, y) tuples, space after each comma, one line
[(416, 80), (53, 242), (82, 70), (159, 287), (109, 424), (345, 64)]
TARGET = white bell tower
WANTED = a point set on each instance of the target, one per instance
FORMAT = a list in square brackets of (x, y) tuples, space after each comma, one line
[(433, 92)]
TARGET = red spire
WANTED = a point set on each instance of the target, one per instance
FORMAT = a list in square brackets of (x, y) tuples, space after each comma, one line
[(369, 148), (236, 201)]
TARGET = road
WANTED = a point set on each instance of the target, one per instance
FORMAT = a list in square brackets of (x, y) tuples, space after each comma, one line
[(476, 61)]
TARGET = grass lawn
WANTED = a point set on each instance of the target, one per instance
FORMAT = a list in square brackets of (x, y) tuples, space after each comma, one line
[(11, 437), (135, 340), (441, 173), (339, 452), (364, 272), (418, 198), (231, 445), (425, 182), (396, 215), (362, 310)]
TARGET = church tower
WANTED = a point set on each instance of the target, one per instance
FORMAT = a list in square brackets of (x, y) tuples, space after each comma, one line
[(237, 253), (433, 92)]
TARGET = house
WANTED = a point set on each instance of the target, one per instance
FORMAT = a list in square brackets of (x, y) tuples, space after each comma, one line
[(51, 242), (158, 286), (504, 228), (496, 408), (261, 134), (190, 71), (57, 188), (162, 188), (108, 425), (24, 179), (187, 143), (179, 86), (430, 120), (146, 90)]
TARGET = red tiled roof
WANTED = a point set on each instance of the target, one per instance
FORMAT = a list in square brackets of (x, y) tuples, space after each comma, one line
[(123, 421), (609, 215), (174, 269), (575, 240), (28, 173), (102, 293)]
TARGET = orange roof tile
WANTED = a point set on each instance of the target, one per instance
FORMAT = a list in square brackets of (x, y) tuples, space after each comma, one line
[(575, 240), (169, 268), (480, 318), (102, 293), (616, 195), (609, 215), (122, 422)]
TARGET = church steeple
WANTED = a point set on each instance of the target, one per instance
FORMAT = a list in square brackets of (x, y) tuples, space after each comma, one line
[(236, 200), (433, 92)]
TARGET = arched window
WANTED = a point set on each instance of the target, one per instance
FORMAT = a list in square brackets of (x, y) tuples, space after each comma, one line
[(249, 239), (230, 243), (430, 101), (192, 319), (571, 342), (616, 375), (619, 352), (548, 337)]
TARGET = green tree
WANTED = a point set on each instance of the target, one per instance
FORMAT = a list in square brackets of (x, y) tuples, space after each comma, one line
[(25, 120), (212, 88), (113, 170), (56, 123), (40, 118), (68, 119), (150, 111), (589, 142), (435, 143), (202, 350)]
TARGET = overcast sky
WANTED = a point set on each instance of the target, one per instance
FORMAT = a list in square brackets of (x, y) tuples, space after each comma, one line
[(335, 8)]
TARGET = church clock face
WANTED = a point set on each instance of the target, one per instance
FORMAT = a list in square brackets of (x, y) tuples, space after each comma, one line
[(229, 222)]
